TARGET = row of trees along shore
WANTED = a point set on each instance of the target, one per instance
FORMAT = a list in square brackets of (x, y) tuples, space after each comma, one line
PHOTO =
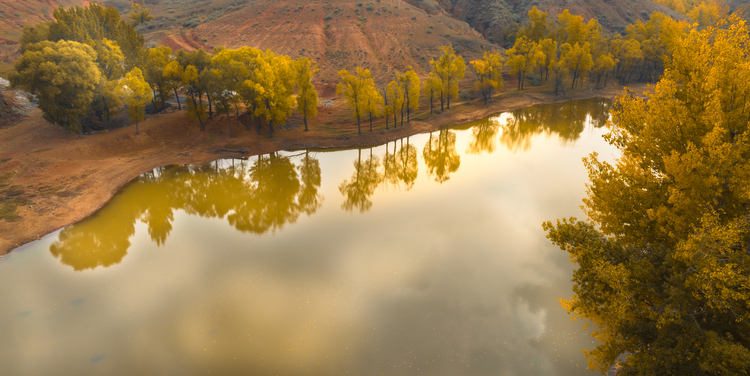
[(87, 63)]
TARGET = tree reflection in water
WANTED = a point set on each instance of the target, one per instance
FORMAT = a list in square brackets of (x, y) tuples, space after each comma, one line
[(567, 120), (259, 198), (401, 166), (272, 192), (483, 136), (440, 155), (362, 185)]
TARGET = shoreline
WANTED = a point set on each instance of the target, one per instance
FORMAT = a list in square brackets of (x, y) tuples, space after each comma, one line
[(58, 179)]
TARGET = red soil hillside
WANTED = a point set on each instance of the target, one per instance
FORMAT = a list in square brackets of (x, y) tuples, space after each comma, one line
[(14, 14)]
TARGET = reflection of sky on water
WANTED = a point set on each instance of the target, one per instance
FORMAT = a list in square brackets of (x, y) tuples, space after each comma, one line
[(436, 278)]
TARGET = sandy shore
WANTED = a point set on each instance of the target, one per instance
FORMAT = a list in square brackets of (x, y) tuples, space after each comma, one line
[(58, 179)]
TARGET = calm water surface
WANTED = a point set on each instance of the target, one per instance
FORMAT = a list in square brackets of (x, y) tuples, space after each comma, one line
[(425, 256)]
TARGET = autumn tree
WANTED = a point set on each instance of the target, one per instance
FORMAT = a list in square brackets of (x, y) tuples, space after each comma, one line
[(489, 72), (355, 88), (307, 96), (412, 90), (373, 103), (664, 260), (110, 60), (578, 61), (157, 59), (64, 77), (139, 14), (274, 81), (433, 89), (522, 58), (708, 12), (136, 94), (394, 101), (451, 69)]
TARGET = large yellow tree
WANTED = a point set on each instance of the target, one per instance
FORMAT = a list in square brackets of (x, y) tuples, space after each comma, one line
[(355, 88), (136, 94), (451, 69), (307, 96), (489, 72), (664, 260)]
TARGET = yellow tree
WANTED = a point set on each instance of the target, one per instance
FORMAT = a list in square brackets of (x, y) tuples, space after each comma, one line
[(307, 96), (136, 94), (157, 59), (354, 88), (578, 59), (110, 60), (433, 89), (559, 69), (412, 90), (548, 47), (373, 103), (603, 65), (538, 26), (664, 260), (394, 101), (274, 81), (489, 74), (140, 14), (451, 69), (522, 58), (708, 13)]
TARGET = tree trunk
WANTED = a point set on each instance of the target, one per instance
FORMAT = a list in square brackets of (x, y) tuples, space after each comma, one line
[(229, 122), (305, 119), (210, 109), (441, 102), (179, 106), (270, 127), (402, 114), (257, 124), (359, 124)]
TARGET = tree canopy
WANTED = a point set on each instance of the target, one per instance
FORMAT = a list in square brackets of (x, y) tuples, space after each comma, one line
[(664, 261)]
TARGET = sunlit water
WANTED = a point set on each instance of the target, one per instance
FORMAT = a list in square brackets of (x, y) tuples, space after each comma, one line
[(421, 257)]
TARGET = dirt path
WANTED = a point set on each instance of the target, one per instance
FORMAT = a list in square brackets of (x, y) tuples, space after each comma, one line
[(50, 179)]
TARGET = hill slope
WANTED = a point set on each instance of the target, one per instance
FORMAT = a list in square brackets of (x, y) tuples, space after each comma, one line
[(491, 17), (340, 34)]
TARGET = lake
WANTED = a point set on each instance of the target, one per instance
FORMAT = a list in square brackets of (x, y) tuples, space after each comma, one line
[(424, 256)]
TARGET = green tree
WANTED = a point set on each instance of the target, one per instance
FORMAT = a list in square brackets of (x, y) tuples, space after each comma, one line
[(307, 96), (137, 94), (663, 262), (64, 76)]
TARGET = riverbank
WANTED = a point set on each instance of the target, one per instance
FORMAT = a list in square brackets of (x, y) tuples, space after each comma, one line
[(50, 178)]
